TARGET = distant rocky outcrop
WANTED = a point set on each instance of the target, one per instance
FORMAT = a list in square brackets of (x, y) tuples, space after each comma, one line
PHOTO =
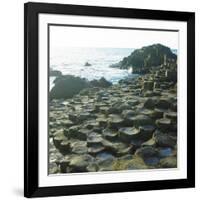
[(141, 60), (87, 64)]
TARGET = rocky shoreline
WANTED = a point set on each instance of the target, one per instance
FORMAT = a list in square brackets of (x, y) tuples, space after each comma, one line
[(128, 126)]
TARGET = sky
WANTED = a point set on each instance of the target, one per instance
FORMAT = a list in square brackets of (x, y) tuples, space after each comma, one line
[(62, 36)]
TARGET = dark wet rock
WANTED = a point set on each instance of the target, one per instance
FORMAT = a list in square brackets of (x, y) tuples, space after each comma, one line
[(148, 85), (165, 152), (151, 142), (53, 168), (90, 124), (73, 117), (80, 163), (164, 140), (157, 113), (58, 138), (164, 124), (76, 133), (100, 83), (87, 64), (133, 102), (140, 120), (109, 134), (115, 121), (149, 103), (171, 115), (94, 139), (79, 147), (163, 103), (146, 131), (85, 116), (129, 133), (152, 161), (142, 59), (106, 165), (95, 149), (65, 147), (169, 162), (128, 113), (93, 167), (102, 120), (124, 106), (67, 86), (117, 148), (55, 73), (129, 164), (67, 123), (104, 156), (171, 75), (146, 152)]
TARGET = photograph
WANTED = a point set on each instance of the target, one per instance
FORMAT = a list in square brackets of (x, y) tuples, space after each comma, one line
[(112, 102)]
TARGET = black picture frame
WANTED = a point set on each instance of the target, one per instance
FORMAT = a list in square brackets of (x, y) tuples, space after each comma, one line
[(31, 12)]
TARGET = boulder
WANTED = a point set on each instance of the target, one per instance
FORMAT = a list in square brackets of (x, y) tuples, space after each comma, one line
[(100, 83), (67, 86)]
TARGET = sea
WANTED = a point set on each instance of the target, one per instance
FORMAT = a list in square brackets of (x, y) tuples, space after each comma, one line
[(72, 61)]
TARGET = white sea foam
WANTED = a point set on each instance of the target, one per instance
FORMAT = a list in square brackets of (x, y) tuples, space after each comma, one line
[(72, 61)]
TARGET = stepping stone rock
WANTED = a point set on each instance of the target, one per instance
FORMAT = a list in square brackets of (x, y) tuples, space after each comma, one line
[(94, 139), (163, 103), (80, 163), (79, 147), (141, 120), (164, 124), (129, 164), (165, 152), (146, 132), (110, 134), (75, 133), (129, 133), (172, 116), (58, 138), (169, 162), (148, 85), (150, 143), (146, 152), (149, 103), (53, 168), (115, 121), (164, 140)]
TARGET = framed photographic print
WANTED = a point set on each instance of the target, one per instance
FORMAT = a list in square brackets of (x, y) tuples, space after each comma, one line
[(109, 99)]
